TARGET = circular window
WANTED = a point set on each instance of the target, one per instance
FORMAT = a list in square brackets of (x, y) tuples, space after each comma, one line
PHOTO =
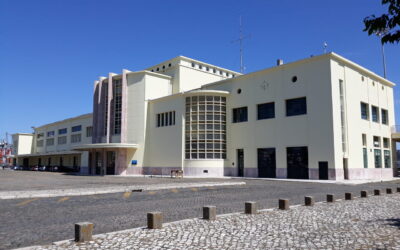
[(373, 83), (239, 91), (362, 78), (294, 79)]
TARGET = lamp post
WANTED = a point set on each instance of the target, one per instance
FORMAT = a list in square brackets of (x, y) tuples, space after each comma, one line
[(380, 34)]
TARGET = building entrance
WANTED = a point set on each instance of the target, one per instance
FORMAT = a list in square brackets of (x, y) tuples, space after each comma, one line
[(297, 162), (110, 163), (266, 162), (240, 162)]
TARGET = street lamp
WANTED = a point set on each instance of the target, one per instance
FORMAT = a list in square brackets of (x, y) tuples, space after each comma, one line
[(380, 34)]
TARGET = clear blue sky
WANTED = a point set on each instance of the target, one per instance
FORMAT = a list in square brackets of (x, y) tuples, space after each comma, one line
[(51, 51)]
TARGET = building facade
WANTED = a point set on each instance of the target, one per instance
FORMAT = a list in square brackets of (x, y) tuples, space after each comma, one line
[(322, 117), (52, 144)]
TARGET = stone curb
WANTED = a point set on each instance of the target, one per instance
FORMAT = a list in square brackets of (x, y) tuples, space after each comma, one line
[(79, 192), (58, 243)]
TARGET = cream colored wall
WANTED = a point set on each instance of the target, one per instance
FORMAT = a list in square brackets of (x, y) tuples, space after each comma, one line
[(142, 87), (85, 121), (191, 78), (22, 143), (358, 91), (164, 145), (314, 130)]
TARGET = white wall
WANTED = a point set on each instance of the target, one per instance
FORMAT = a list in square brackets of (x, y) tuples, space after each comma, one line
[(313, 130), (369, 91)]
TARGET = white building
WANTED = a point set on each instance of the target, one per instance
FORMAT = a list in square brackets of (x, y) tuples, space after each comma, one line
[(51, 144), (323, 117)]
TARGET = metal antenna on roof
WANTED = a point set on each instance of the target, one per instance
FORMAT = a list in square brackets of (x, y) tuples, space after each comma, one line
[(240, 40), (325, 46)]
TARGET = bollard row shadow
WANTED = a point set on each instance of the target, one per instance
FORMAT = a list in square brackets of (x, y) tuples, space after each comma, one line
[(84, 230)]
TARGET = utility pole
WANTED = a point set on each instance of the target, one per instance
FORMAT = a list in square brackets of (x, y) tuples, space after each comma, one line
[(240, 40), (380, 34)]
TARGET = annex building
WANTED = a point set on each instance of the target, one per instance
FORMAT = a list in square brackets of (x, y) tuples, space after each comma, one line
[(322, 117)]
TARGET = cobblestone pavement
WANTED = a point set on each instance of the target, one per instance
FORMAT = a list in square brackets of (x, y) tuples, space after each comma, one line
[(364, 223), (38, 221)]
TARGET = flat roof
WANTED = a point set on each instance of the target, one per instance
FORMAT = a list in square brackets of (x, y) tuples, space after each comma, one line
[(67, 119)]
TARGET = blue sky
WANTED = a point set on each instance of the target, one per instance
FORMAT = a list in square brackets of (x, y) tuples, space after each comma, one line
[(51, 51)]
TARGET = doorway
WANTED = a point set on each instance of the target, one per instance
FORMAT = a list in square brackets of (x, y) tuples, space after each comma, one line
[(110, 163), (25, 163), (240, 162), (266, 162), (345, 169), (297, 162), (323, 170)]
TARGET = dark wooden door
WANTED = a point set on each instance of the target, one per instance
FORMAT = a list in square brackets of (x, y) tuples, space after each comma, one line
[(266, 162)]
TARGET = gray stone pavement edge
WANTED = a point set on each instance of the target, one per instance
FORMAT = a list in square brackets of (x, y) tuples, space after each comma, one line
[(106, 190)]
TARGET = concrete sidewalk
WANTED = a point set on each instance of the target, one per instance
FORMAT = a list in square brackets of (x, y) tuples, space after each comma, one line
[(111, 189)]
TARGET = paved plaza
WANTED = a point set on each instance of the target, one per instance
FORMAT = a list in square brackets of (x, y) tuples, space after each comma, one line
[(364, 223), (39, 221)]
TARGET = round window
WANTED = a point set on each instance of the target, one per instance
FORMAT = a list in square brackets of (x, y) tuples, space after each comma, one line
[(239, 91), (294, 79)]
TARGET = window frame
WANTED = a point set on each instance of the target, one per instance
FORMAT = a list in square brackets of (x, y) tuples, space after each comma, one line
[(366, 111), (288, 102), (238, 116), (265, 117)]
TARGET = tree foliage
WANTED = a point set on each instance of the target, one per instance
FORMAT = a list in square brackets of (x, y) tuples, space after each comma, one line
[(387, 25)]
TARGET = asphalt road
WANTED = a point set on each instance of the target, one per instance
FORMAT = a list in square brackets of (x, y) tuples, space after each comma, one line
[(25, 222)]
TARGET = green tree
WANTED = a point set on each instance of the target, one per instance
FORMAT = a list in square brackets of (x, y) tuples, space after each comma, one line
[(387, 25)]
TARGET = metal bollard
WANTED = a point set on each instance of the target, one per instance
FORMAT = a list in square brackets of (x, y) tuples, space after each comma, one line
[(250, 207), (154, 220), (83, 231), (364, 194), (348, 196), (210, 213), (283, 204), (377, 192), (389, 191), (330, 198), (309, 201)]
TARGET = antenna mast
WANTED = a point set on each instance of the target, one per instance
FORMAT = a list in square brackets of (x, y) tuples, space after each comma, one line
[(240, 40)]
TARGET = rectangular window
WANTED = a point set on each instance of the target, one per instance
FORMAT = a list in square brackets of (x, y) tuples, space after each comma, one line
[(62, 131), (62, 140), (266, 111), (239, 115), (297, 106), (378, 158), (89, 131), (364, 111), (75, 138), (384, 115), (39, 143), (50, 133), (387, 158), (364, 140), (40, 135), (375, 114), (76, 128), (365, 157), (377, 141), (50, 142), (166, 119), (386, 143)]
